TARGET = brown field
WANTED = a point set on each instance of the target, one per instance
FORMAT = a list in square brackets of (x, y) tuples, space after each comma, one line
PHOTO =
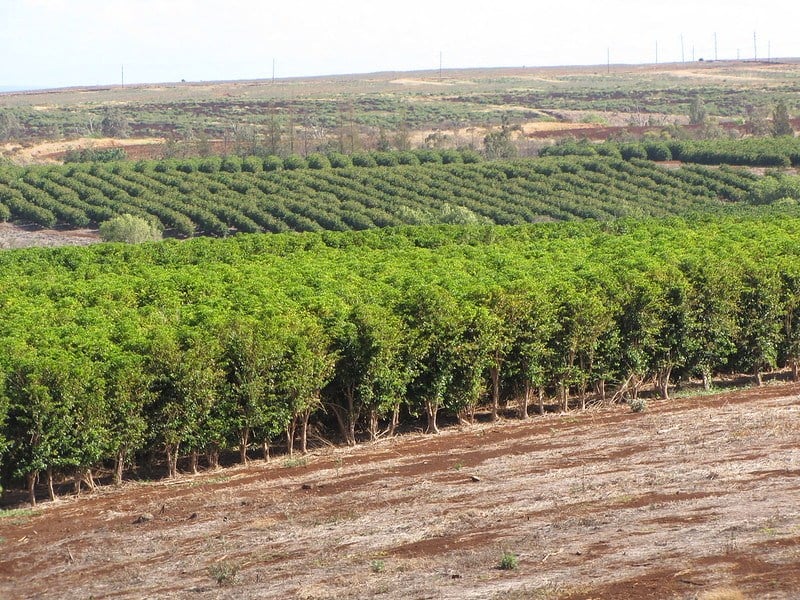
[(551, 103), (695, 498)]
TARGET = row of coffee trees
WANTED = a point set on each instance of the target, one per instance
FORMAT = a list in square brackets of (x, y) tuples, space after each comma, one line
[(191, 198), (145, 359)]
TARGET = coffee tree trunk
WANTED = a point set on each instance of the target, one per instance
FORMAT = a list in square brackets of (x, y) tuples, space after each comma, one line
[(495, 374), (212, 456), (119, 466), (244, 437), (193, 456), (30, 481), (171, 451), (304, 431), (373, 424), (395, 421), (431, 408), (265, 450), (51, 492)]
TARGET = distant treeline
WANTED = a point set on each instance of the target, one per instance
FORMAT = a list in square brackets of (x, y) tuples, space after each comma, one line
[(757, 152)]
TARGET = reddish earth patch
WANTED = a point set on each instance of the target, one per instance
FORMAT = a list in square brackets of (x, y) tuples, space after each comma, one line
[(694, 495)]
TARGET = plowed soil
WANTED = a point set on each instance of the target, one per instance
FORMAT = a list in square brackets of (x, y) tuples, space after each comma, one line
[(695, 498)]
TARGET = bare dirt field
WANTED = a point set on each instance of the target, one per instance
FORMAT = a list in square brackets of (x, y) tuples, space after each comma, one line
[(16, 236), (54, 152), (687, 500)]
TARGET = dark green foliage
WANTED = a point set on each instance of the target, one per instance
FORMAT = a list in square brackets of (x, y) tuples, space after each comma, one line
[(425, 155), (776, 187), (95, 155), (470, 157), (339, 160), (318, 161), (363, 159), (567, 147), (757, 152), (658, 151), (629, 151), (273, 163), (384, 159), (211, 164), (217, 196), (498, 145), (231, 164), (252, 164), (294, 162)]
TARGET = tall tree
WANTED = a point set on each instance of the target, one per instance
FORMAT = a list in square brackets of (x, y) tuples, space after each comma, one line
[(115, 124), (10, 126), (781, 124), (697, 112)]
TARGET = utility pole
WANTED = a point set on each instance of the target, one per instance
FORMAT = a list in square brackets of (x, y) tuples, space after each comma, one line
[(273, 70), (608, 60), (123, 75), (440, 65), (683, 57), (715, 45), (755, 47), (769, 50), (656, 51)]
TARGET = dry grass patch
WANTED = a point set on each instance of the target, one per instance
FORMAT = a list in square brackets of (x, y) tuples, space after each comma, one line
[(724, 593)]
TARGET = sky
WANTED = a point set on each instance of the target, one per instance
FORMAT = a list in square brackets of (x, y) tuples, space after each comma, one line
[(57, 43)]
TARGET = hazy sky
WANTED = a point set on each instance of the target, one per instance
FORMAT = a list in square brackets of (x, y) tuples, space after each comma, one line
[(50, 43)]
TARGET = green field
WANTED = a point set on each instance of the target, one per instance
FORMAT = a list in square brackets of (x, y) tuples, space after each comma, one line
[(207, 345), (217, 196), (371, 288)]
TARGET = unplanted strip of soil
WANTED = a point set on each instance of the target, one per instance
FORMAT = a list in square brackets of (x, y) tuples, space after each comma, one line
[(692, 496)]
